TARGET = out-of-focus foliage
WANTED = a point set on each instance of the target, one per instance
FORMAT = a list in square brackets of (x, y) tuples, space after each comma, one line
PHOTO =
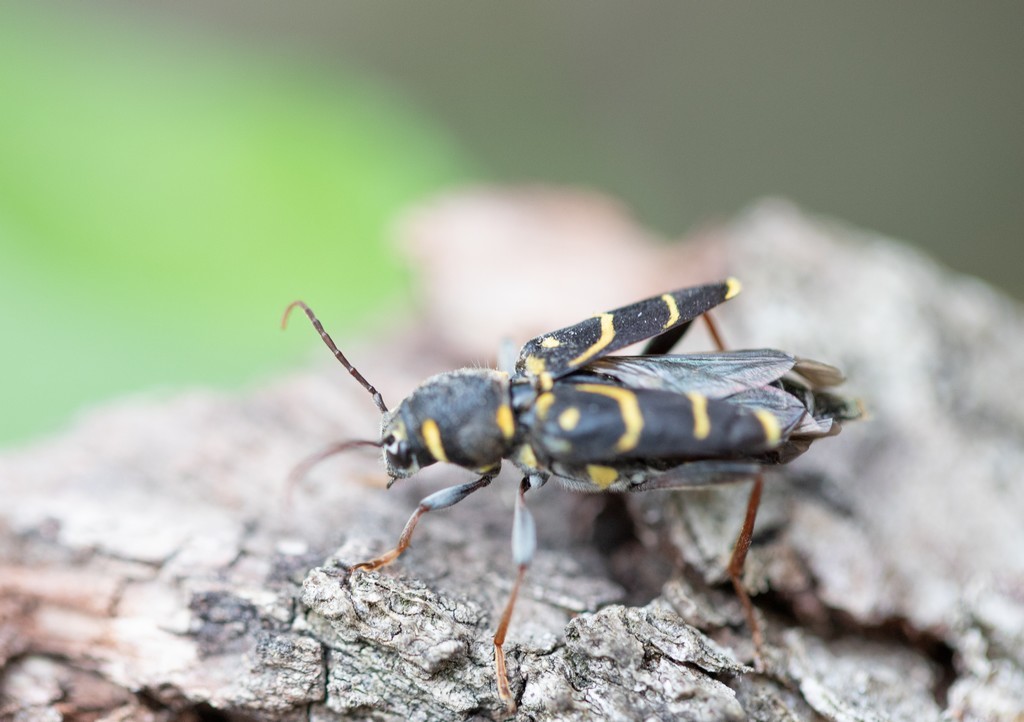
[(163, 197)]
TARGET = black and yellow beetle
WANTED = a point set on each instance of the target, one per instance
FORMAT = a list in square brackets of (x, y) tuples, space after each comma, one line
[(569, 411)]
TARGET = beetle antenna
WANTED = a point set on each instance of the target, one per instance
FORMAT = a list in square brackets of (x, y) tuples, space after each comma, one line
[(303, 467), (377, 398)]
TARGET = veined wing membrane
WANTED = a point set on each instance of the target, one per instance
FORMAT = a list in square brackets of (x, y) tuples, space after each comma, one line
[(716, 375)]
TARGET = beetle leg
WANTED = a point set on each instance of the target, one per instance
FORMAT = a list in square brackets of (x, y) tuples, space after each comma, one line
[(705, 473), (736, 564), (664, 343), (716, 335), (438, 500), (524, 543)]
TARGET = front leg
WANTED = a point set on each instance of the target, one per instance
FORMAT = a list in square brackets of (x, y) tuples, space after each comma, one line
[(438, 500)]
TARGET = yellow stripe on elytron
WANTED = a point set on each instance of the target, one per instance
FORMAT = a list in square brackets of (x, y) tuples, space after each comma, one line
[(603, 476), (701, 420), (673, 310), (732, 287), (550, 342), (535, 365), (569, 418), (607, 334), (629, 407), (543, 403), (506, 422), (526, 457), (770, 424), (432, 438)]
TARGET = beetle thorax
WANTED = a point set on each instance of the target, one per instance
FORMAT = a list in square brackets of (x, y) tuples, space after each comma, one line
[(461, 417)]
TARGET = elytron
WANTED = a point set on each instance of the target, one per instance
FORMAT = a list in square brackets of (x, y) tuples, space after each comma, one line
[(569, 411)]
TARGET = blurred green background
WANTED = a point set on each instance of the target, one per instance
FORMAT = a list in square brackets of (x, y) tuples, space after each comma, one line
[(171, 175)]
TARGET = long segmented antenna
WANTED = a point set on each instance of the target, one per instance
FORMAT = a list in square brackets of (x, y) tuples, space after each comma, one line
[(303, 467), (377, 398)]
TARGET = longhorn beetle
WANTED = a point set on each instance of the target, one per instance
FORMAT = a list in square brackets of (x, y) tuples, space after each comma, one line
[(595, 422)]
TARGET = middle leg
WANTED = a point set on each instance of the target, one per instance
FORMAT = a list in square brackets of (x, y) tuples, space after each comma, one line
[(524, 544)]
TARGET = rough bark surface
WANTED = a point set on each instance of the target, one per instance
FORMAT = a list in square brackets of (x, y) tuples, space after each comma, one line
[(151, 569)]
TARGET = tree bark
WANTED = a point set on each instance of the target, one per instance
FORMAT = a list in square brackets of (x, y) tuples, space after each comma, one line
[(151, 568)]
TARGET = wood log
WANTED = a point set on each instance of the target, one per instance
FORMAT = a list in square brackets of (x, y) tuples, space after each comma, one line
[(151, 568)]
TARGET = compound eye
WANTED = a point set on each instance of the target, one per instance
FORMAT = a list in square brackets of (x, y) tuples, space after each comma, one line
[(399, 455)]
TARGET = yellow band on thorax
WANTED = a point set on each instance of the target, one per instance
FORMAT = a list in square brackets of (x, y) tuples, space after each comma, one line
[(432, 438)]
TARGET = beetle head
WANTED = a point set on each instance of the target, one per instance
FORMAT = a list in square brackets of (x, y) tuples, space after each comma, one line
[(403, 456)]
